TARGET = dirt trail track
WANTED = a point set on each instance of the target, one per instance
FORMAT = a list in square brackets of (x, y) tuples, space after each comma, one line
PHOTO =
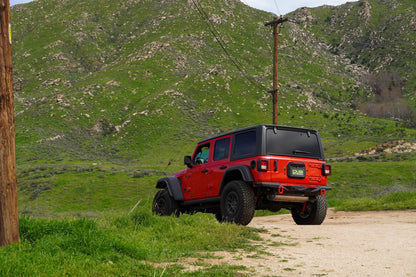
[(346, 244)]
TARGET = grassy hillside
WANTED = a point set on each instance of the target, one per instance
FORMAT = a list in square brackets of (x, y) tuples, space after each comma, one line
[(107, 94), (101, 81), (380, 36)]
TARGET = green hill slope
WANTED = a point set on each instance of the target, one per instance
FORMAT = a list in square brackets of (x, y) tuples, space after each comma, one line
[(379, 35), (103, 88), (98, 80)]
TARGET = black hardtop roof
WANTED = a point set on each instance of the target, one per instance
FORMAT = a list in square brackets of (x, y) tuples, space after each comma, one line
[(281, 127)]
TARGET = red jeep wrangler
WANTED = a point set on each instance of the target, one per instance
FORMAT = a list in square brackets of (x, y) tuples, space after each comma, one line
[(261, 167)]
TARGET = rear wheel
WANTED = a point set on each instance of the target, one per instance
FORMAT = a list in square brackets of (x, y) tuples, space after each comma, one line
[(164, 204), (237, 203), (313, 214), (219, 217)]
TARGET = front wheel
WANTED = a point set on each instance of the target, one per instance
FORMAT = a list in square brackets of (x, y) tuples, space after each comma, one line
[(219, 217), (164, 204), (237, 203), (313, 214)]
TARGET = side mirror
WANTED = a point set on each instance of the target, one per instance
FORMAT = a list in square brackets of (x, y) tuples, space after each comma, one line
[(188, 161)]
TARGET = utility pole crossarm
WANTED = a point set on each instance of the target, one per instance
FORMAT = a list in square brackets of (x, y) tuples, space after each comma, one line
[(279, 20)]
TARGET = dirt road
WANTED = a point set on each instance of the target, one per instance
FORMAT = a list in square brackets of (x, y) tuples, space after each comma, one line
[(346, 244)]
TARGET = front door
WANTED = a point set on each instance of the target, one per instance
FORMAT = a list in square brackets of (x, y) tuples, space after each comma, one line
[(195, 181)]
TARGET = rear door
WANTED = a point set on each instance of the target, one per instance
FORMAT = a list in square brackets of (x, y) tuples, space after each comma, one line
[(220, 162), (295, 156)]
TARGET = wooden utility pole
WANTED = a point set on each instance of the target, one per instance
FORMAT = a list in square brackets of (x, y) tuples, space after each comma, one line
[(275, 92), (9, 220)]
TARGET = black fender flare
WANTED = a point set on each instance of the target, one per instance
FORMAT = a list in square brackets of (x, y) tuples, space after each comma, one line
[(173, 185), (238, 172)]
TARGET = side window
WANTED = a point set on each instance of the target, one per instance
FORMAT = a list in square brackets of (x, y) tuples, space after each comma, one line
[(201, 154), (222, 149), (245, 144)]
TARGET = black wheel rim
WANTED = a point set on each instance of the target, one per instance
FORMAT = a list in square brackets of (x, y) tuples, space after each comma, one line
[(161, 205), (306, 213), (231, 203)]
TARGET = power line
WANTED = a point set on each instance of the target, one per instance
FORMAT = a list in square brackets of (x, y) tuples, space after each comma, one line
[(222, 44), (216, 34), (277, 8)]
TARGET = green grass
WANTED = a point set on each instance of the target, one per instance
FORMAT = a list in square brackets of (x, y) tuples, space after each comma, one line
[(46, 189), (76, 218), (86, 189), (375, 183), (116, 245), (394, 201)]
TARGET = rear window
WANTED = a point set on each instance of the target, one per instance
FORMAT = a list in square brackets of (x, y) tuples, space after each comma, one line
[(297, 143), (221, 150), (245, 144)]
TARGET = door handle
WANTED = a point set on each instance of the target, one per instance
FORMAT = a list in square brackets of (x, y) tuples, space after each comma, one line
[(223, 167), (204, 171)]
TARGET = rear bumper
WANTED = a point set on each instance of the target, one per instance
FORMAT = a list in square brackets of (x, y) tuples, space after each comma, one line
[(282, 189)]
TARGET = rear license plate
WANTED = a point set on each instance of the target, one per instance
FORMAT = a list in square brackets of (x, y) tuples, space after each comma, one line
[(295, 170)]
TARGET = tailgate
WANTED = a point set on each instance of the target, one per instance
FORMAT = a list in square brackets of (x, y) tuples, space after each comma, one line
[(296, 171)]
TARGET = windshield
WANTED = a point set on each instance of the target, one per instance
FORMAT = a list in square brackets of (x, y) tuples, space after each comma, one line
[(299, 143)]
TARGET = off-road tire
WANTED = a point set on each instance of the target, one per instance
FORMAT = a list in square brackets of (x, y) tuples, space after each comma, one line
[(164, 204), (219, 217), (237, 203), (314, 213)]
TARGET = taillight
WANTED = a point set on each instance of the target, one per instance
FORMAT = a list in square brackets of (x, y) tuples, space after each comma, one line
[(262, 165), (326, 170)]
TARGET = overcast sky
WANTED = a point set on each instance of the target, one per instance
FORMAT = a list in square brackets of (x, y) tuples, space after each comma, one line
[(279, 7), (14, 2)]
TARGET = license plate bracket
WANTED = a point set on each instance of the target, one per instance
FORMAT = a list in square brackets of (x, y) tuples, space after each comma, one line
[(296, 170)]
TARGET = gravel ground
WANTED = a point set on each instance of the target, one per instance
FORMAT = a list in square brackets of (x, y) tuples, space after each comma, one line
[(376, 243), (381, 243)]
